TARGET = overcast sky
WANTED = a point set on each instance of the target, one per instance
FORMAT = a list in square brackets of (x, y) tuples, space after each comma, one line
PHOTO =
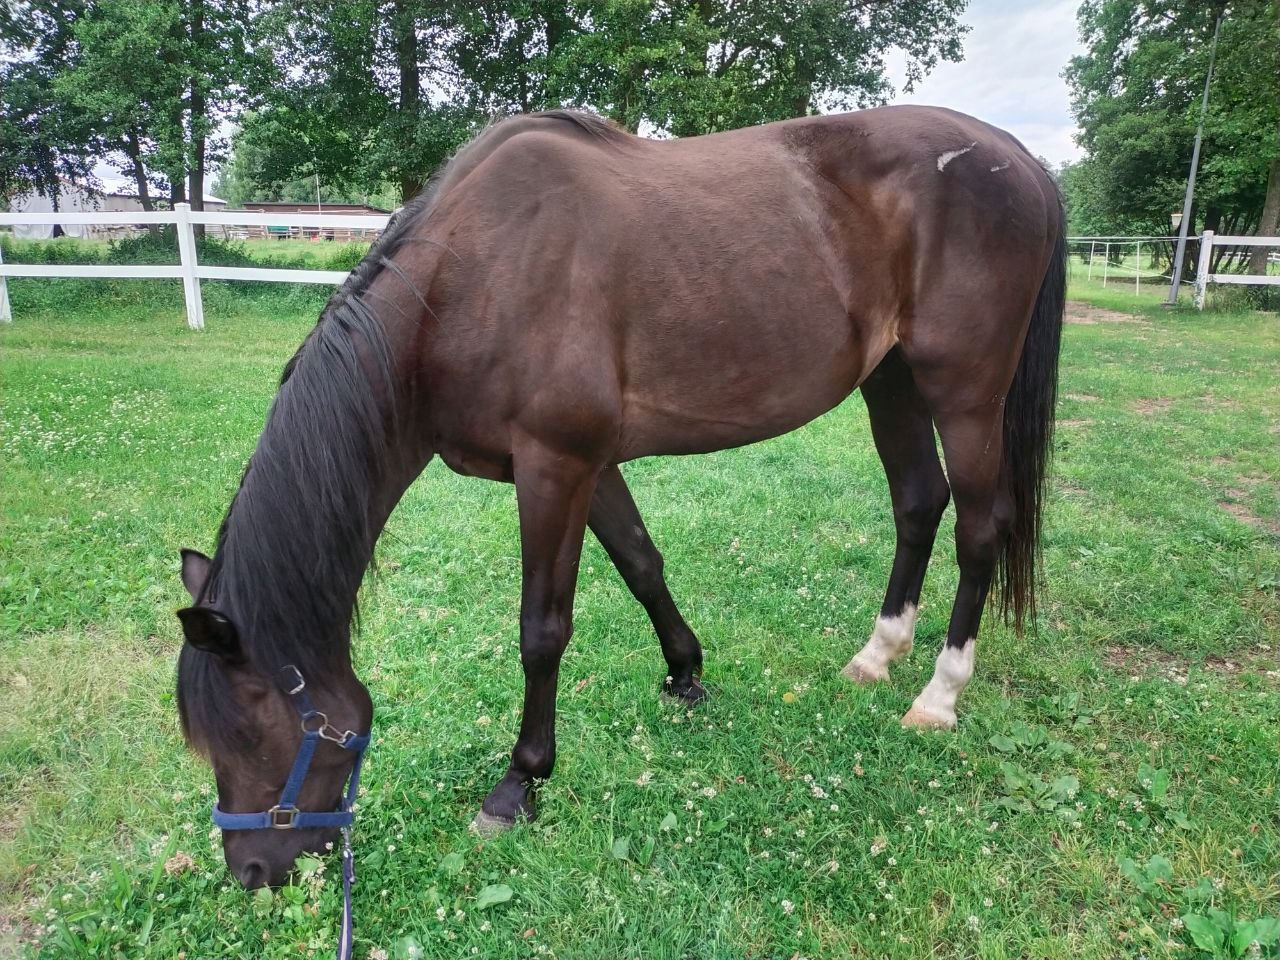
[(1011, 72)]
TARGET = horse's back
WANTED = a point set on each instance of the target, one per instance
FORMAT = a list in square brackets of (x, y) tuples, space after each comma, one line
[(712, 291)]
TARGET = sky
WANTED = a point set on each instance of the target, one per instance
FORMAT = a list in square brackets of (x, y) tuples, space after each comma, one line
[(1011, 73)]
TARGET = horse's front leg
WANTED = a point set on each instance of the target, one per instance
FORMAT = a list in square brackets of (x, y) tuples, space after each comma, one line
[(554, 496), (616, 522)]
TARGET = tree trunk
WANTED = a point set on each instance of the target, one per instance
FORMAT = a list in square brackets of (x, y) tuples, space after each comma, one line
[(197, 116), (1269, 224), (133, 149), (802, 101), (405, 28)]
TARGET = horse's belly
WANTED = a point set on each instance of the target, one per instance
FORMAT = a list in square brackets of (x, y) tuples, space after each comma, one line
[(730, 383)]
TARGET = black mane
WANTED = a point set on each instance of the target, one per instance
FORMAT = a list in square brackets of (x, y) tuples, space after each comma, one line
[(297, 537)]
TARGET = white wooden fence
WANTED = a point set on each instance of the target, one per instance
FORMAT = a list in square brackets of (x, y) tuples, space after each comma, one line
[(1203, 277), (188, 270)]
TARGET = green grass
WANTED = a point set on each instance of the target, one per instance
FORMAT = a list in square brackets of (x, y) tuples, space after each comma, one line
[(788, 816)]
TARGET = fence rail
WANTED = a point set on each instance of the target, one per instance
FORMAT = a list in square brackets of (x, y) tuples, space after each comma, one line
[(1208, 240), (1103, 245), (188, 269), (190, 272)]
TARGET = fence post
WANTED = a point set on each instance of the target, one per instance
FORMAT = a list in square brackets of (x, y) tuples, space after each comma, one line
[(6, 313), (1106, 261), (1137, 267), (1202, 267), (187, 253), (1092, 246)]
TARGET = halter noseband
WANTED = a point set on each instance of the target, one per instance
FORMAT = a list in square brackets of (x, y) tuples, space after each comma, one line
[(285, 815)]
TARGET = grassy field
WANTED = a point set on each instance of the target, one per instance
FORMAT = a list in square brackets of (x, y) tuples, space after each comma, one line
[(1113, 774)]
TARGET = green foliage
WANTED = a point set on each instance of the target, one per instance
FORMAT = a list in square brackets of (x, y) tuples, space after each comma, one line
[(40, 139), (1136, 95), (687, 67)]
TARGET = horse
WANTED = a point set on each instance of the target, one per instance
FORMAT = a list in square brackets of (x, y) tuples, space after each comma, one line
[(565, 297)]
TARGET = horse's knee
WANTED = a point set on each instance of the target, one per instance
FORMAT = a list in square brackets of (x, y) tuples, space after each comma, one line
[(919, 509), (542, 641)]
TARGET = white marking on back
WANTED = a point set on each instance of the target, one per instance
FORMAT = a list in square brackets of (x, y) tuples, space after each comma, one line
[(1001, 166), (936, 704), (892, 638), (950, 155)]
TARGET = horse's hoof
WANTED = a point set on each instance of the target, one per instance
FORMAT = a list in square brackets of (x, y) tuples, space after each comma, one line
[(861, 672), (686, 695), (487, 825), (918, 718)]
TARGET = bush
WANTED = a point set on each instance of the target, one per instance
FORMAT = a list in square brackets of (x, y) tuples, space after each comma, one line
[(161, 247)]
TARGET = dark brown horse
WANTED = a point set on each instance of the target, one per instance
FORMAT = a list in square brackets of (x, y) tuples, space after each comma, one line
[(567, 297)]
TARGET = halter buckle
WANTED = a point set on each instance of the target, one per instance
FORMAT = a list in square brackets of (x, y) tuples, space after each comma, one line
[(325, 730), (299, 683), (282, 817)]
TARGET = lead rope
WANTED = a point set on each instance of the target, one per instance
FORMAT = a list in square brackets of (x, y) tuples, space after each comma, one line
[(348, 878)]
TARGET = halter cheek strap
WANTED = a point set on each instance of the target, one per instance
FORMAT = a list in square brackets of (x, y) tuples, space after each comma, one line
[(285, 815)]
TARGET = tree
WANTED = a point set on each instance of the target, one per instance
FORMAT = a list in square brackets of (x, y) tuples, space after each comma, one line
[(43, 141), (144, 83), (388, 88), (1136, 96)]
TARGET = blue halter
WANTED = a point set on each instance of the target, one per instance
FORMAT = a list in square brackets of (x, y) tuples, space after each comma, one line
[(285, 815)]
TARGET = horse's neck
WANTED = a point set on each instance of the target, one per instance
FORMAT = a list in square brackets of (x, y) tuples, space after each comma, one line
[(333, 460)]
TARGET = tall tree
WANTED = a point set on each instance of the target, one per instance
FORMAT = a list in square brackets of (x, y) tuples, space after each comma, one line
[(144, 83), (43, 140), (389, 87), (1136, 95)]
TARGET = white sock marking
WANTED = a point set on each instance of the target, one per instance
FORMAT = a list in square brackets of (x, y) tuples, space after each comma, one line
[(936, 704), (892, 638), (950, 155)]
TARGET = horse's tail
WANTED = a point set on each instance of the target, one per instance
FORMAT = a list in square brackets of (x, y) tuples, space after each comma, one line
[(1028, 437)]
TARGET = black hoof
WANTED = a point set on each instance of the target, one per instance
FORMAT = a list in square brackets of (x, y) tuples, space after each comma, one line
[(486, 825), (688, 693)]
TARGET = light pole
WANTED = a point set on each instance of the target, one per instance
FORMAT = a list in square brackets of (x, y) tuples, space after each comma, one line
[(1184, 219)]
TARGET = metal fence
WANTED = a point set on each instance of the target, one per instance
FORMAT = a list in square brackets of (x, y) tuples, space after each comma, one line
[(188, 270)]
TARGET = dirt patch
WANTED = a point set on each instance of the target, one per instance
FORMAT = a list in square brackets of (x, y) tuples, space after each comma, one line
[(1088, 315), (1146, 661), (1221, 403), (1075, 423), (1081, 397), (1247, 516), (1152, 405)]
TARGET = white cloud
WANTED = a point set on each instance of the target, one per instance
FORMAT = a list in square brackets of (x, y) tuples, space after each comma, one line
[(1011, 73)]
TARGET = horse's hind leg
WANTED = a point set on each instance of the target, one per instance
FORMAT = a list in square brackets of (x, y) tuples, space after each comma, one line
[(617, 524), (970, 424), (554, 495), (903, 432)]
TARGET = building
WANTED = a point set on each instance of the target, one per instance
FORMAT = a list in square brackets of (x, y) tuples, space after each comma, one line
[(338, 234), (77, 198)]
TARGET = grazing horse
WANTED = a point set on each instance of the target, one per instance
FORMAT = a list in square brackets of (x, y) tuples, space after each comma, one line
[(566, 297)]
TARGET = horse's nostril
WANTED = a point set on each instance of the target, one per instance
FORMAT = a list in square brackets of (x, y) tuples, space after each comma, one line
[(253, 874)]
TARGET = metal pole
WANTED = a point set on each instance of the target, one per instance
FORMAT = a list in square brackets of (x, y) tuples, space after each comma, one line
[(1093, 245), (1106, 261), (1185, 225), (1137, 267)]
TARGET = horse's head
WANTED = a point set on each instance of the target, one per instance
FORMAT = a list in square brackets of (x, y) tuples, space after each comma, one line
[(250, 726)]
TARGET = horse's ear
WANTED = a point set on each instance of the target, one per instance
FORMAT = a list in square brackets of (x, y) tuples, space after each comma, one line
[(195, 571), (208, 630)]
